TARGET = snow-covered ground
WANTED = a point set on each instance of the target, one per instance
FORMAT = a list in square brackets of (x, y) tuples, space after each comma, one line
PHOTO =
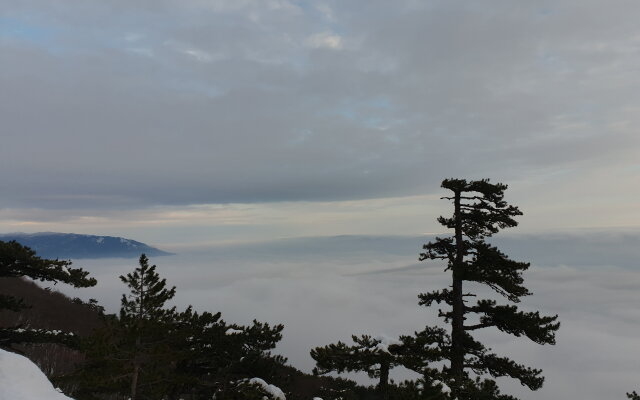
[(20, 379)]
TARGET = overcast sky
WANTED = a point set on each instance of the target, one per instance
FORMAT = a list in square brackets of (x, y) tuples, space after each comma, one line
[(230, 119), (196, 122)]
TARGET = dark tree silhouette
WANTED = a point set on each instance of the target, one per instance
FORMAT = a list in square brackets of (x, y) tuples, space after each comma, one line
[(132, 354), (216, 358), (378, 355), (374, 355), (150, 351), (20, 261), (143, 314), (479, 211)]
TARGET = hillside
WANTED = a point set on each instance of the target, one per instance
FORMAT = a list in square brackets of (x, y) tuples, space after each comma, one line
[(77, 246), (49, 309)]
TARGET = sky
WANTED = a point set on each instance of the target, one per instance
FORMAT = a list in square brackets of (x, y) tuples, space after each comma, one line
[(208, 121), (227, 124)]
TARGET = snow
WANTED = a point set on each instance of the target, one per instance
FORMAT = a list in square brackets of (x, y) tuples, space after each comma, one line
[(44, 331), (232, 331), (384, 339), (381, 347), (384, 342), (445, 387), (128, 242), (20, 379), (274, 391)]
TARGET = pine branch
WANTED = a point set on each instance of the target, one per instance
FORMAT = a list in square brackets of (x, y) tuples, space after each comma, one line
[(18, 335), (437, 296), (508, 319), (440, 249), (477, 326), (502, 366), (493, 268), (17, 260)]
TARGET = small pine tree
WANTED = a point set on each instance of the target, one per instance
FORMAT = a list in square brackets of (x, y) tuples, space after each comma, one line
[(17, 260), (419, 353), (633, 395), (214, 356), (150, 351), (374, 355), (144, 316), (479, 212), (131, 355)]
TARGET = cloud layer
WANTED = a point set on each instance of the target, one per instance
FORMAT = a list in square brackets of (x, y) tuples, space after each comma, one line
[(326, 289)]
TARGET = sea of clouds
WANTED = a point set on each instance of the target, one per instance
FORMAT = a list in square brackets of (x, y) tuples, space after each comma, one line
[(326, 289)]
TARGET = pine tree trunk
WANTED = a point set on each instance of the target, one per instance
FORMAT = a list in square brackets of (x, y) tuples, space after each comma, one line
[(136, 370), (136, 361), (383, 385), (134, 381), (457, 320)]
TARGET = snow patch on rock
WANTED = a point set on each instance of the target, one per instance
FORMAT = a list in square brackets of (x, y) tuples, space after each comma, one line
[(20, 379)]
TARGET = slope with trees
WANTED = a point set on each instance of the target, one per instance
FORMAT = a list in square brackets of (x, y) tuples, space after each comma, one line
[(17, 261), (152, 351)]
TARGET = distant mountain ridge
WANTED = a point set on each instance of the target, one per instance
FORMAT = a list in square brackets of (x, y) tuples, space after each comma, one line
[(77, 246)]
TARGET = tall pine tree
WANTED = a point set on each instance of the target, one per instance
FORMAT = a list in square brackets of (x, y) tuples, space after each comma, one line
[(479, 211), (131, 355)]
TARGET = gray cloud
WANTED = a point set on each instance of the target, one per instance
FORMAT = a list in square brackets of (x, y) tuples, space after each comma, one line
[(114, 104)]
